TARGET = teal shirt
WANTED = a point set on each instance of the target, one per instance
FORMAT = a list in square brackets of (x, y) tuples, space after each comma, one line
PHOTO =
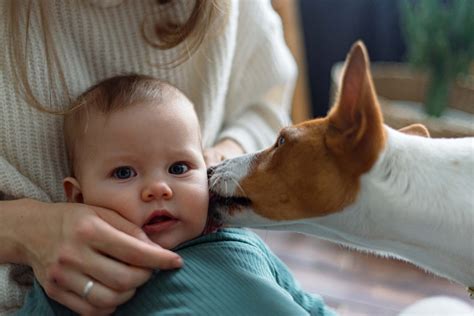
[(230, 272)]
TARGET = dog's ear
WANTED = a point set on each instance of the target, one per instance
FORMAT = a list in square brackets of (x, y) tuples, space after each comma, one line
[(357, 104), (355, 122), (416, 129), (346, 114)]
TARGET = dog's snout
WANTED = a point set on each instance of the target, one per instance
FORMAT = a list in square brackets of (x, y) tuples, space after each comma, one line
[(210, 171)]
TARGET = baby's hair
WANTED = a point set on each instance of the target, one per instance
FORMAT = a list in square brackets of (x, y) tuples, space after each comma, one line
[(108, 96)]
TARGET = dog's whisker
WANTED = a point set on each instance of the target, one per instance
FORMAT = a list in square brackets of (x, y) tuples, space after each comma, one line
[(214, 181), (237, 184), (225, 188)]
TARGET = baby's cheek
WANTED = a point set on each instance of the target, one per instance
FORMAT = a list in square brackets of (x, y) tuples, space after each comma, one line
[(202, 205), (116, 201)]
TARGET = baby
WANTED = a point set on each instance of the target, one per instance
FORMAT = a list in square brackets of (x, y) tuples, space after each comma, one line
[(134, 147)]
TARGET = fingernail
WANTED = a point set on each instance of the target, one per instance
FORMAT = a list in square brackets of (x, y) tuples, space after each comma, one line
[(178, 262)]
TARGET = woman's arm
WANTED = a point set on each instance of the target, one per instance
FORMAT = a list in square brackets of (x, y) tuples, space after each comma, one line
[(261, 85), (10, 221), (262, 81), (69, 244)]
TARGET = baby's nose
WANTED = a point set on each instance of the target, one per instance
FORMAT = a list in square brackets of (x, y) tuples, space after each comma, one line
[(157, 190)]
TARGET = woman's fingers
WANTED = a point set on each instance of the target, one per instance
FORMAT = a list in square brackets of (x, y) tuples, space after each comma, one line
[(212, 157), (102, 297), (84, 294), (118, 222), (225, 149), (105, 270), (76, 302), (79, 244), (91, 290), (116, 241), (134, 252)]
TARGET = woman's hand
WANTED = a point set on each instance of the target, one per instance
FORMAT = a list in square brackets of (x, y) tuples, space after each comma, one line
[(69, 245), (225, 149)]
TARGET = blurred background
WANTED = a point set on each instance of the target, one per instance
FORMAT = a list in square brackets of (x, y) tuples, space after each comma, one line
[(422, 57)]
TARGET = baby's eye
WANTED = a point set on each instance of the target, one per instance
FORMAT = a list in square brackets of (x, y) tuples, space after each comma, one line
[(178, 168), (123, 173)]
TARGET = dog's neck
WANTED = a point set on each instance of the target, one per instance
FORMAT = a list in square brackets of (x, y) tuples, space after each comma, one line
[(393, 213)]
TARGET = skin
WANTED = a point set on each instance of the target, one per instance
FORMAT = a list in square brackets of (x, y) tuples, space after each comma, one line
[(225, 149), (67, 244), (118, 168)]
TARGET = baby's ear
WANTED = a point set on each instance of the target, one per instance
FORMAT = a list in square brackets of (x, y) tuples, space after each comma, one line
[(72, 190)]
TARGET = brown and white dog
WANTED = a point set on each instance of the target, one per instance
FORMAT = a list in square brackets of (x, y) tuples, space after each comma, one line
[(351, 179)]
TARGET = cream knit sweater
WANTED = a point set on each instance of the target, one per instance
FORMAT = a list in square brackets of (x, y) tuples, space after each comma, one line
[(240, 80)]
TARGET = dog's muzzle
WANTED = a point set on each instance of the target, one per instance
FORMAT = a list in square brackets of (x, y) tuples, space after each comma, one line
[(222, 199)]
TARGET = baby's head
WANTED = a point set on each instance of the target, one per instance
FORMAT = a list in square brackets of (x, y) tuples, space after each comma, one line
[(134, 147)]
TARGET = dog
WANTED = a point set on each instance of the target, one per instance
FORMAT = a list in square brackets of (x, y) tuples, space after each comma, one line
[(350, 179)]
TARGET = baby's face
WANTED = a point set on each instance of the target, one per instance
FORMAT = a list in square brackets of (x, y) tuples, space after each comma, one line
[(146, 163)]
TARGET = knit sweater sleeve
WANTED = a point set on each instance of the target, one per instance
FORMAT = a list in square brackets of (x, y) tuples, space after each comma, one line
[(262, 81)]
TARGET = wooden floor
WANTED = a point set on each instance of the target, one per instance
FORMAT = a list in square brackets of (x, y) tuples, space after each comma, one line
[(356, 283)]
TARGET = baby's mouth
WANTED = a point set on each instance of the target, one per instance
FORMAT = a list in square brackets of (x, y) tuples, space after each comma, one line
[(158, 221)]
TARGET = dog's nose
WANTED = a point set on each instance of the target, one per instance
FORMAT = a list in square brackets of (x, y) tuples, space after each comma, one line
[(210, 171)]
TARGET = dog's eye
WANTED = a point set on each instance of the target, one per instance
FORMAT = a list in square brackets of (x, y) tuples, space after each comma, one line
[(280, 141)]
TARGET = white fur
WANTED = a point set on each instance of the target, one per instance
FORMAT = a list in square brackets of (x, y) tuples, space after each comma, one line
[(416, 203)]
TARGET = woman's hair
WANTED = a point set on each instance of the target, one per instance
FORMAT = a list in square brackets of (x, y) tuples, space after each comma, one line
[(111, 95), (166, 33)]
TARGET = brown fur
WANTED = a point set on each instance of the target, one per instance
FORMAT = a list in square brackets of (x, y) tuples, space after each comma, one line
[(324, 158)]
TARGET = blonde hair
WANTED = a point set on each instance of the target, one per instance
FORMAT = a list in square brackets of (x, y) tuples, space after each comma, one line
[(111, 95), (167, 34)]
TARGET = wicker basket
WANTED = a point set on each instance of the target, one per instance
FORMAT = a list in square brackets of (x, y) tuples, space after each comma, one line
[(401, 92)]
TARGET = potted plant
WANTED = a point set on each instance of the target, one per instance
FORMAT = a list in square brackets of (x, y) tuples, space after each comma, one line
[(439, 36), (440, 40)]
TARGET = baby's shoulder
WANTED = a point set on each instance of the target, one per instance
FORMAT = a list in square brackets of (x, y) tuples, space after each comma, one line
[(231, 248), (224, 273)]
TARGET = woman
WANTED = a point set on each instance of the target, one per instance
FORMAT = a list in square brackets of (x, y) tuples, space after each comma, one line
[(228, 57)]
